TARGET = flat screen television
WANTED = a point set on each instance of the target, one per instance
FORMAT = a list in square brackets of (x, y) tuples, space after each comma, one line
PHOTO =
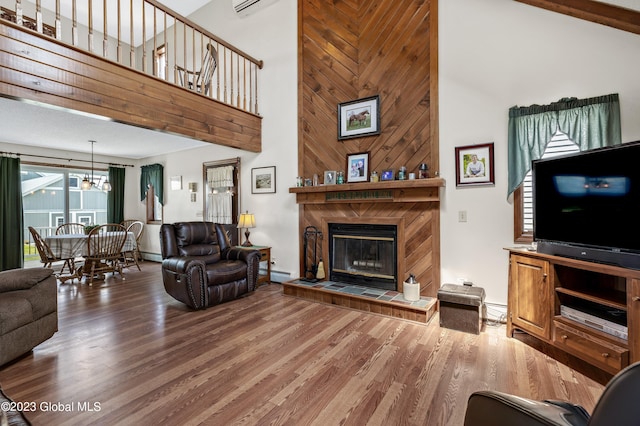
[(587, 205)]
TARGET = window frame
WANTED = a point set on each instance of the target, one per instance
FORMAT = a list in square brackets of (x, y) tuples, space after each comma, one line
[(556, 146)]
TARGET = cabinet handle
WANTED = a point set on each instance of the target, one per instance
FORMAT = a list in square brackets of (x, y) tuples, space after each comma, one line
[(636, 298), (605, 355), (565, 337)]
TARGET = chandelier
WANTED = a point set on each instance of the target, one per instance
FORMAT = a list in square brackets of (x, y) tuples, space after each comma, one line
[(88, 184)]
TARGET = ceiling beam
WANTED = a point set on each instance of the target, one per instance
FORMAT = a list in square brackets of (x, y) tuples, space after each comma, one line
[(594, 11)]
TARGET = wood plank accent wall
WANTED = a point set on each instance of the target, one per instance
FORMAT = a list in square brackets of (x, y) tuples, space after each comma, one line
[(38, 68), (353, 49)]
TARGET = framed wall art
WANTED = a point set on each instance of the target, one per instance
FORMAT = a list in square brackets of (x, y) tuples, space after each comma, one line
[(359, 118), (474, 165), (330, 177), (263, 180), (358, 167), (387, 175)]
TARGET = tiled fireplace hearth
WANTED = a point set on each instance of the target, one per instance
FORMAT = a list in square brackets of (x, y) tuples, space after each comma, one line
[(411, 208)]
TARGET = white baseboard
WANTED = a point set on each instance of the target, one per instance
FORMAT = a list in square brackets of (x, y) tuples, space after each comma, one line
[(278, 276), (153, 257), (496, 312)]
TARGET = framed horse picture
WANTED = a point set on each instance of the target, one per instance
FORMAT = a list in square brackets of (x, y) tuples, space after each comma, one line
[(359, 118)]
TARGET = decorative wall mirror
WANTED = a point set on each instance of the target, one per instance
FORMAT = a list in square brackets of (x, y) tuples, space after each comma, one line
[(221, 183)]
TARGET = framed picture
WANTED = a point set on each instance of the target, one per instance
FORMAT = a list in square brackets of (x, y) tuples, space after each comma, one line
[(263, 180), (176, 182), (359, 118), (387, 175), (358, 167), (474, 165), (330, 177)]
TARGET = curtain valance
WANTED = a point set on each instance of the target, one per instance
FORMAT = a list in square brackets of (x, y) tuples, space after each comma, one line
[(152, 174), (220, 177), (590, 123)]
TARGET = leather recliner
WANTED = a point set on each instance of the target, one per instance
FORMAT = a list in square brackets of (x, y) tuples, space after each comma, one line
[(618, 405), (200, 268)]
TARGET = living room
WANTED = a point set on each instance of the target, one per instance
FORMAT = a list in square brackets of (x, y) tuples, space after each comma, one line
[(493, 54)]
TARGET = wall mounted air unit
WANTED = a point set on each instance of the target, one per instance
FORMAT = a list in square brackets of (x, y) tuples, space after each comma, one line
[(247, 7)]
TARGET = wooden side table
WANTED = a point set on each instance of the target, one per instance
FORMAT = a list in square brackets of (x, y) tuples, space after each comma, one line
[(265, 256)]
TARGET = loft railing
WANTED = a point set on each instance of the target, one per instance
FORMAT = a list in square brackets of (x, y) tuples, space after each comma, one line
[(149, 37)]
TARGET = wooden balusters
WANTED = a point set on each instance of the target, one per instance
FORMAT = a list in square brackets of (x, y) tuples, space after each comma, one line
[(184, 47)]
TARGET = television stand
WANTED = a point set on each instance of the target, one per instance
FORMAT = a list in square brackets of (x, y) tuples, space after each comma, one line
[(543, 286)]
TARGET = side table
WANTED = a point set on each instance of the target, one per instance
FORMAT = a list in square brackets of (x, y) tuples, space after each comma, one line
[(265, 256)]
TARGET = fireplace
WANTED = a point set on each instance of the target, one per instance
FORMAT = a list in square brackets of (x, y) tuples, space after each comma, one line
[(364, 254)]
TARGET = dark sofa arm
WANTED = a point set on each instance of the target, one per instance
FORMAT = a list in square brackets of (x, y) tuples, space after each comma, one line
[(251, 257), (22, 279), (185, 279), (489, 408)]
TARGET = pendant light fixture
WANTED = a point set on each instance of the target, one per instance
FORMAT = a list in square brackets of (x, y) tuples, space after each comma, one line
[(88, 184)]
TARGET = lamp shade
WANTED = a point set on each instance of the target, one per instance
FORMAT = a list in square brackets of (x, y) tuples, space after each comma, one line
[(247, 220)]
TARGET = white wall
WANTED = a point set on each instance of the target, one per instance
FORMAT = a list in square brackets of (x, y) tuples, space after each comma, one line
[(495, 54), (270, 35)]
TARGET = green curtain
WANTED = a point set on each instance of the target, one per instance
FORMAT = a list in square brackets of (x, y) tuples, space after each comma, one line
[(11, 221), (152, 174), (590, 123), (115, 197)]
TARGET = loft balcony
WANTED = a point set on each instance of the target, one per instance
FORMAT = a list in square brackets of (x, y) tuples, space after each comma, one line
[(131, 61)]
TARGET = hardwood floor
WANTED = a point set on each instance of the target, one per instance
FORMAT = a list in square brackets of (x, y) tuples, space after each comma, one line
[(126, 353)]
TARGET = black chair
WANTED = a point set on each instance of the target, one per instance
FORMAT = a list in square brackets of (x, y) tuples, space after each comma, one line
[(618, 405)]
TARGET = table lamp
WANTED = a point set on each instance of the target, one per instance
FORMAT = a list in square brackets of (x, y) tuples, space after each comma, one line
[(247, 220)]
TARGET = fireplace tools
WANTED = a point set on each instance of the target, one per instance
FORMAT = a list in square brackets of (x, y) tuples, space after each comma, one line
[(311, 237)]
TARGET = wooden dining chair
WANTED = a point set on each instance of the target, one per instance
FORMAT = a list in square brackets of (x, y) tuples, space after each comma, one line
[(136, 228), (200, 81), (104, 250), (48, 258), (70, 229)]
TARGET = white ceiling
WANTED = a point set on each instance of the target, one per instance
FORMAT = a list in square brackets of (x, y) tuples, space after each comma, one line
[(26, 123)]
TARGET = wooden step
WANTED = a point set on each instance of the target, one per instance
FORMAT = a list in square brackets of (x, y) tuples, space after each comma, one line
[(384, 302)]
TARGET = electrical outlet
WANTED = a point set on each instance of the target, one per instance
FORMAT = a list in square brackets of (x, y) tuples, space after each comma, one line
[(273, 260), (462, 216)]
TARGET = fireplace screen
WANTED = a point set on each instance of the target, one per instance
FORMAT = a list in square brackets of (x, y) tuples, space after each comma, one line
[(363, 255)]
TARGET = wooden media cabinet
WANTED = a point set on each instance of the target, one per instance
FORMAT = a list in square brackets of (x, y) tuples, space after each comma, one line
[(539, 284)]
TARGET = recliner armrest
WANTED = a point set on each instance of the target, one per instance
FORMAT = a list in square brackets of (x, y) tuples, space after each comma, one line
[(179, 265), (185, 279), (235, 253), (496, 408)]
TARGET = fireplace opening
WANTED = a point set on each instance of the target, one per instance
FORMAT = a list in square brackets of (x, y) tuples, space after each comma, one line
[(363, 254)]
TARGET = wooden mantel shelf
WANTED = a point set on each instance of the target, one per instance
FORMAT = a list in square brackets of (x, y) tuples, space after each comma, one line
[(418, 190)]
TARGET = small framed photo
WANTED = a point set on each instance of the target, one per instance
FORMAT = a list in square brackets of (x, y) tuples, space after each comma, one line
[(330, 177), (359, 118), (474, 165), (176, 183), (358, 167), (387, 175), (263, 180)]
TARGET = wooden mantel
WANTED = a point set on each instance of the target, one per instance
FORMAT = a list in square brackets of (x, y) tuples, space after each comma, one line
[(395, 191)]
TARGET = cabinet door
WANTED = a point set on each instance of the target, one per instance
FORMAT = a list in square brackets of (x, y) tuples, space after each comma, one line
[(633, 318), (530, 296)]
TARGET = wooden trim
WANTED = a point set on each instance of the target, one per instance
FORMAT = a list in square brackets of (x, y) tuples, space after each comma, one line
[(407, 191), (520, 236), (434, 119), (594, 11)]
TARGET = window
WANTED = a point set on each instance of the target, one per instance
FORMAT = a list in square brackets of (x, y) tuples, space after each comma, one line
[(523, 197), (161, 62), (152, 191), (154, 208), (51, 197)]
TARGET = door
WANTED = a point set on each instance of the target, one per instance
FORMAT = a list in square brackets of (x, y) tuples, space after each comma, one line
[(530, 296)]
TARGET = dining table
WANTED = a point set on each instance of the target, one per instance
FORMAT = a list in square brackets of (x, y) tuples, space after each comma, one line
[(72, 246)]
